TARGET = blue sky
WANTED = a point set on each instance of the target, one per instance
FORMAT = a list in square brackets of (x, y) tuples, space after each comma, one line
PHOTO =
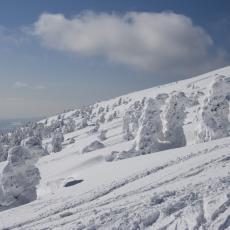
[(56, 55)]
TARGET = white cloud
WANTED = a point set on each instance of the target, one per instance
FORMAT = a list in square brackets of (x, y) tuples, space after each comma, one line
[(19, 84), (149, 41)]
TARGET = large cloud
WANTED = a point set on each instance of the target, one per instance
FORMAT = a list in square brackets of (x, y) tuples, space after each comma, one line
[(149, 41)]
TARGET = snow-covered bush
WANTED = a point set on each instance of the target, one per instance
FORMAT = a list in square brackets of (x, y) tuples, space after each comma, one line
[(115, 155), (19, 178), (93, 146), (174, 116), (72, 141), (213, 113), (150, 129)]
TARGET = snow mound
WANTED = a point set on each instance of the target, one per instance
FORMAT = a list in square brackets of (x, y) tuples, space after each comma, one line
[(93, 146)]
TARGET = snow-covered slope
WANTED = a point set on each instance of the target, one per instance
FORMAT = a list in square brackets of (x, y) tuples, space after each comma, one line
[(180, 188)]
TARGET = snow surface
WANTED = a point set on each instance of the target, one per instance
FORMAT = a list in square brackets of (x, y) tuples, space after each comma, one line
[(181, 188)]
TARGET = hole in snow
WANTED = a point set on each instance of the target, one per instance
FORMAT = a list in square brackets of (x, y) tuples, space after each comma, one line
[(72, 182)]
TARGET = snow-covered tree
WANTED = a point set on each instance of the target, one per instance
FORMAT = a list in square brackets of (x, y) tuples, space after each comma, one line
[(16, 137), (83, 123), (34, 145), (69, 125), (95, 128), (131, 120), (150, 129), (174, 116), (3, 153), (57, 140), (120, 101), (101, 110), (102, 118), (213, 113), (19, 178), (38, 130)]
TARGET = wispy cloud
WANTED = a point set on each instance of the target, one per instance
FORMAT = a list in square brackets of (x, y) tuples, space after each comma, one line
[(40, 87), (10, 99), (20, 84), (147, 41), (15, 36)]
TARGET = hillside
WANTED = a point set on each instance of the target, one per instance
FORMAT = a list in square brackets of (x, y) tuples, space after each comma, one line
[(99, 179)]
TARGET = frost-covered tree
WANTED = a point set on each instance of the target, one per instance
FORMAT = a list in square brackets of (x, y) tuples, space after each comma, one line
[(131, 120), (69, 125), (95, 128), (34, 145), (19, 178), (174, 116), (3, 153), (38, 130), (16, 137), (213, 113), (150, 129), (120, 101), (83, 123), (57, 140), (102, 118), (101, 110)]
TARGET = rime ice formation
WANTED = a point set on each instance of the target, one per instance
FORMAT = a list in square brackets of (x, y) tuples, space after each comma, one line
[(57, 141), (131, 120), (149, 135), (213, 114), (19, 178), (174, 116), (34, 145), (3, 153)]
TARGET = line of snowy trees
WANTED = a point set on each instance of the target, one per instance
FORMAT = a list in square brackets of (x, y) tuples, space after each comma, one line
[(156, 124)]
